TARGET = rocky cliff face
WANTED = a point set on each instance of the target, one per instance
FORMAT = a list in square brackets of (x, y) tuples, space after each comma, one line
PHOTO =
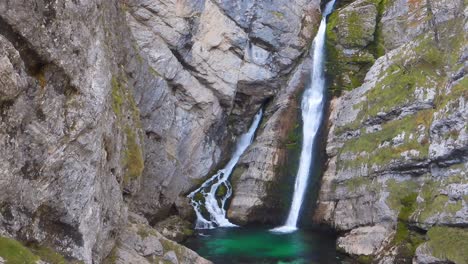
[(395, 186), (220, 61), (115, 106)]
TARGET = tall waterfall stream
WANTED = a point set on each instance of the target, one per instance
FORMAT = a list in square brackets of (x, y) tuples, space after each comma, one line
[(221, 241), (312, 112)]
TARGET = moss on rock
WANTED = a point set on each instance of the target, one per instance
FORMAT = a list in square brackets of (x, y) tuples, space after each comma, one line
[(449, 243), (377, 148), (48, 255), (133, 159), (14, 252), (221, 191)]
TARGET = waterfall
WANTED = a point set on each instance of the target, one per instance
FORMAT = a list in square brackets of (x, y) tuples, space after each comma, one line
[(312, 112), (206, 198)]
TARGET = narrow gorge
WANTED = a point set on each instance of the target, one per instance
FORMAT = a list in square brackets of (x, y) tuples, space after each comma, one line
[(192, 131)]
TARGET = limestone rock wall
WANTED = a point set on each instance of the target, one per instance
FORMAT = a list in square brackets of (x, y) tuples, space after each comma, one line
[(115, 106)]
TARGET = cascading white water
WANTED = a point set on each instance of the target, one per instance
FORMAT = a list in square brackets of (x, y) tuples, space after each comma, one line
[(205, 196), (312, 111)]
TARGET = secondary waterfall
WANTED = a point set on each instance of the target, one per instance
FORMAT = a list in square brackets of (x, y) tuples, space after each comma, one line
[(207, 198), (312, 112)]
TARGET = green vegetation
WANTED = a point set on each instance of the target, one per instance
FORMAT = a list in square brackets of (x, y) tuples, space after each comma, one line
[(449, 243), (401, 194), (356, 183), (436, 202), (199, 197), (278, 15), (401, 79), (458, 91), (15, 253), (221, 191), (133, 159), (293, 139), (369, 143), (406, 239), (355, 31), (377, 47), (117, 97), (123, 99), (48, 255), (365, 259), (144, 231), (112, 257), (187, 231), (169, 245), (347, 71)]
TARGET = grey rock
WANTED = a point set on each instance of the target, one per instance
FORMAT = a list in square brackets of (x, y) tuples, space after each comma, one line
[(171, 257), (140, 243), (363, 240), (142, 240), (423, 255), (60, 143), (174, 228)]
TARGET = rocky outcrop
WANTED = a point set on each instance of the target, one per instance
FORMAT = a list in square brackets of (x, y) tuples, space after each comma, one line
[(397, 144), (139, 243), (351, 43)]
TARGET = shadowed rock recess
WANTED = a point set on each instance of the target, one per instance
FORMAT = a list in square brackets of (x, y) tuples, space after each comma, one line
[(112, 111)]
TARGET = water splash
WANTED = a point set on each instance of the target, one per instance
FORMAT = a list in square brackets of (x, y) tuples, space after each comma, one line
[(206, 198), (312, 112)]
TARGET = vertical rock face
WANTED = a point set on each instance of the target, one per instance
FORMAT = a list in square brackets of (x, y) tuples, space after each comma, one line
[(61, 144), (397, 143), (110, 106)]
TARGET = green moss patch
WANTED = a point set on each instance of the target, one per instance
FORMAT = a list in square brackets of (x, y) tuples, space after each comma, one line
[(221, 191), (133, 159), (436, 202), (278, 15), (47, 254), (15, 253), (449, 243), (347, 71), (117, 97), (406, 239), (112, 257), (367, 145)]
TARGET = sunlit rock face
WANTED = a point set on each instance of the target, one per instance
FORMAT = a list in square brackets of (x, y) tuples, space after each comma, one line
[(397, 141)]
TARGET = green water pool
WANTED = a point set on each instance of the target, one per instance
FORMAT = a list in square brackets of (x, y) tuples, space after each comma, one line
[(255, 245)]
